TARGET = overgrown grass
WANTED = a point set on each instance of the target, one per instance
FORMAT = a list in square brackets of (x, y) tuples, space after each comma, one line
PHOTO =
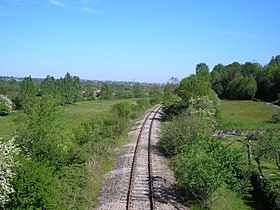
[(73, 115), (80, 112), (247, 115), (7, 126), (229, 200)]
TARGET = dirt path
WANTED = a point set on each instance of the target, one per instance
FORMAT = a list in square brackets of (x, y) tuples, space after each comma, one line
[(115, 188)]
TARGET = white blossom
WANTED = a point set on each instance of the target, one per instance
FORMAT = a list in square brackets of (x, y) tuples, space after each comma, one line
[(7, 152)]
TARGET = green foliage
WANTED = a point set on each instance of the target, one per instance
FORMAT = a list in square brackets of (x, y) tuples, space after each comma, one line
[(156, 100), (35, 187), (193, 86), (180, 132), (122, 110), (40, 132), (124, 94), (9, 87), (106, 91), (138, 91), (201, 67), (28, 88), (266, 191), (242, 87), (88, 93), (202, 171), (4, 109), (202, 164), (276, 117), (141, 105), (236, 81)]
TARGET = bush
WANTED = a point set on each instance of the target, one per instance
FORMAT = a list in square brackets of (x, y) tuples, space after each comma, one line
[(35, 187), (4, 109), (181, 132), (141, 105), (83, 134), (155, 100), (7, 164), (122, 110), (266, 191), (6, 105), (276, 117)]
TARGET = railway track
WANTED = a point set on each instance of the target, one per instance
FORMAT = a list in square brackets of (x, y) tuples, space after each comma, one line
[(142, 180), (140, 191)]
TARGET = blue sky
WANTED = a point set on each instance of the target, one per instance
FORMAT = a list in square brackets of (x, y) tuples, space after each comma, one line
[(139, 40)]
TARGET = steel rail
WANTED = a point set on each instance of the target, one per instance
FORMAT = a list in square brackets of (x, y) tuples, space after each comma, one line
[(152, 203)]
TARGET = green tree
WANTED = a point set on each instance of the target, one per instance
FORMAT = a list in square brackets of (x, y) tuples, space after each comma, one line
[(193, 86), (77, 92), (49, 86), (39, 132), (88, 92), (250, 69), (138, 90), (242, 87), (216, 83), (68, 89), (35, 187), (123, 94), (201, 67), (28, 88), (106, 91)]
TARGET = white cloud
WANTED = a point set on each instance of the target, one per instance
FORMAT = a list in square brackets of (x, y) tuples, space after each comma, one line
[(87, 9), (57, 3)]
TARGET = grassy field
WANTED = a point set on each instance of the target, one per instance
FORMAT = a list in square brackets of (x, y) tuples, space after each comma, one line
[(7, 126), (73, 115), (85, 111), (246, 115)]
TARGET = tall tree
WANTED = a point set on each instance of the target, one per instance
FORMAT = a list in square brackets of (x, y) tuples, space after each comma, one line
[(48, 86), (193, 86), (28, 88), (201, 67), (242, 87), (106, 91)]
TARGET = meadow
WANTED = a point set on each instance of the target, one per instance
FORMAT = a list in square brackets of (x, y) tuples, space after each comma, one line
[(246, 115), (73, 115), (250, 115)]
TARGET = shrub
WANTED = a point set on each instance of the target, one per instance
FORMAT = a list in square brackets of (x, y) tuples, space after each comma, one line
[(181, 132), (266, 191), (122, 110), (6, 105), (155, 100), (7, 165), (141, 105), (4, 109), (276, 117), (35, 187), (83, 133)]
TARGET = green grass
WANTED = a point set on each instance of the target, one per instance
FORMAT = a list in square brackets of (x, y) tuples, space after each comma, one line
[(73, 115), (80, 112), (229, 200), (7, 126), (246, 115)]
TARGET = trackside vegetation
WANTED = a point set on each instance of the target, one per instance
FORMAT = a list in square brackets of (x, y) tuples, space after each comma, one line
[(58, 159), (213, 172)]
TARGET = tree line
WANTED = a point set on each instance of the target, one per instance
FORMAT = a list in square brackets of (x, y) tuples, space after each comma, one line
[(246, 81), (71, 89)]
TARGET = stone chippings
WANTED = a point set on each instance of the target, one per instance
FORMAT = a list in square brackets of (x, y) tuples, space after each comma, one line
[(114, 190)]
